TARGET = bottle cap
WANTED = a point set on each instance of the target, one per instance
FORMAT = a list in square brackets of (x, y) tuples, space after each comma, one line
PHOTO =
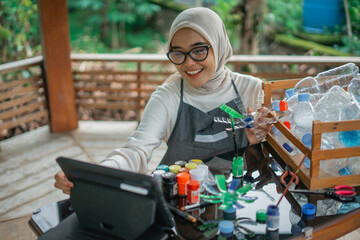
[(283, 106), (261, 216), (238, 166), (308, 209), (158, 173), (174, 168), (306, 139), (287, 124), (197, 174), (193, 185), (275, 105), (163, 167), (184, 169), (226, 226), (196, 161), (229, 214), (180, 163), (169, 177), (191, 165), (183, 177), (289, 93), (304, 97)]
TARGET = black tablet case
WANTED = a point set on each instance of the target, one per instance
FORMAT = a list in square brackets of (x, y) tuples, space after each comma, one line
[(117, 203)]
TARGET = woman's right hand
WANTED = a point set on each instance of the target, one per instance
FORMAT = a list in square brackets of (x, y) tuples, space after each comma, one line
[(63, 183)]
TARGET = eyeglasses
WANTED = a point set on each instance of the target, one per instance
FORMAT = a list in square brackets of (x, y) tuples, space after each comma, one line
[(198, 54)]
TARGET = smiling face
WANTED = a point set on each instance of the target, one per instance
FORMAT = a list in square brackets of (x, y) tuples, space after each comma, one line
[(194, 72)]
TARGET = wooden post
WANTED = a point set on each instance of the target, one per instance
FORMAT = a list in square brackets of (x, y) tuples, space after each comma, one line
[(55, 40)]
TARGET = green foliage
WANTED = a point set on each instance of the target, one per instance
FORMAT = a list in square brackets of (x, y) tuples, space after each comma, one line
[(354, 12), (19, 37), (113, 22), (231, 21), (284, 16)]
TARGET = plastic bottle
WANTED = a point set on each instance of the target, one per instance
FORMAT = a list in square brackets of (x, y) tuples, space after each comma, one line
[(226, 230), (352, 167), (272, 222), (193, 188), (354, 89), (303, 115), (170, 186), (306, 139), (198, 175), (350, 138), (182, 179), (283, 141), (331, 104), (321, 83), (292, 100)]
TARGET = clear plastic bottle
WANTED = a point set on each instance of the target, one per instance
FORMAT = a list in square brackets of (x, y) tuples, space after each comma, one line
[(304, 115), (354, 89), (340, 76), (283, 141), (306, 139), (331, 104), (350, 138), (352, 167), (292, 100)]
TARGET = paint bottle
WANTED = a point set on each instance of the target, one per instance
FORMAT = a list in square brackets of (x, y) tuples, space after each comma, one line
[(226, 230), (191, 166), (174, 168), (157, 175), (272, 218), (198, 175), (163, 167), (181, 163), (238, 169), (193, 191), (170, 186), (182, 179)]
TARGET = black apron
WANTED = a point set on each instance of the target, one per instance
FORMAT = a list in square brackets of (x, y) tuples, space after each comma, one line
[(197, 136)]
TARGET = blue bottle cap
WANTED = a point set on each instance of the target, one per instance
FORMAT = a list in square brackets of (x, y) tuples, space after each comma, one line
[(226, 227), (287, 147), (304, 97), (276, 105), (345, 171), (289, 93), (308, 209), (306, 139)]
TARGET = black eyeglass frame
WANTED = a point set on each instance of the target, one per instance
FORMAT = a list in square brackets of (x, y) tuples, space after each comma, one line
[(188, 53)]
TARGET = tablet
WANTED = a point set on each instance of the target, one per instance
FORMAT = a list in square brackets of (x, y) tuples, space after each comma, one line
[(117, 202)]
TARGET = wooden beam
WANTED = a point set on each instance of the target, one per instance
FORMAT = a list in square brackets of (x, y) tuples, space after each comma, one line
[(55, 40)]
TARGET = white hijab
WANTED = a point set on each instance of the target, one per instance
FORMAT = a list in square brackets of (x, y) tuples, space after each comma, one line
[(208, 24)]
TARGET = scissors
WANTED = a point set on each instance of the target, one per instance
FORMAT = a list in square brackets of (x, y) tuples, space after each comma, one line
[(344, 193)]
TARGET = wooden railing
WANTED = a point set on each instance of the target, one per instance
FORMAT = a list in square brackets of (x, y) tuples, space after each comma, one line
[(118, 86), (22, 96)]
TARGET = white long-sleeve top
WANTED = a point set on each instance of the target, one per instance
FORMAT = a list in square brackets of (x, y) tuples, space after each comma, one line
[(161, 111)]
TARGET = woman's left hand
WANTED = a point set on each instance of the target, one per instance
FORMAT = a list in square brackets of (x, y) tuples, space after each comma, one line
[(262, 126)]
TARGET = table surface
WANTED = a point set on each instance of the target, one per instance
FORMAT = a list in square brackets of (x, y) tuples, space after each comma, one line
[(332, 215)]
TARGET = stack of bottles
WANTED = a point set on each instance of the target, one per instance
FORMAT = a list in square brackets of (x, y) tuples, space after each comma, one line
[(323, 98)]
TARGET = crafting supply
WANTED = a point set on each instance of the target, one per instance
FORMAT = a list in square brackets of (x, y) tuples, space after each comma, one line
[(193, 191), (261, 216), (163, 167), (226, 228), (181, 163), (272, 218), (182, 179), (174, 168), (170, 186)]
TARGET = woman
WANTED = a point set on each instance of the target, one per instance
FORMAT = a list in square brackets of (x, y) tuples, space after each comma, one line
[(181, 111)]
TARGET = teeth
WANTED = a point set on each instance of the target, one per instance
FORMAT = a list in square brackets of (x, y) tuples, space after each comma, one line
[(194, 72)]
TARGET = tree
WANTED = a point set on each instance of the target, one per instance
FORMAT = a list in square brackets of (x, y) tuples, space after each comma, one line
[(19, 32)]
